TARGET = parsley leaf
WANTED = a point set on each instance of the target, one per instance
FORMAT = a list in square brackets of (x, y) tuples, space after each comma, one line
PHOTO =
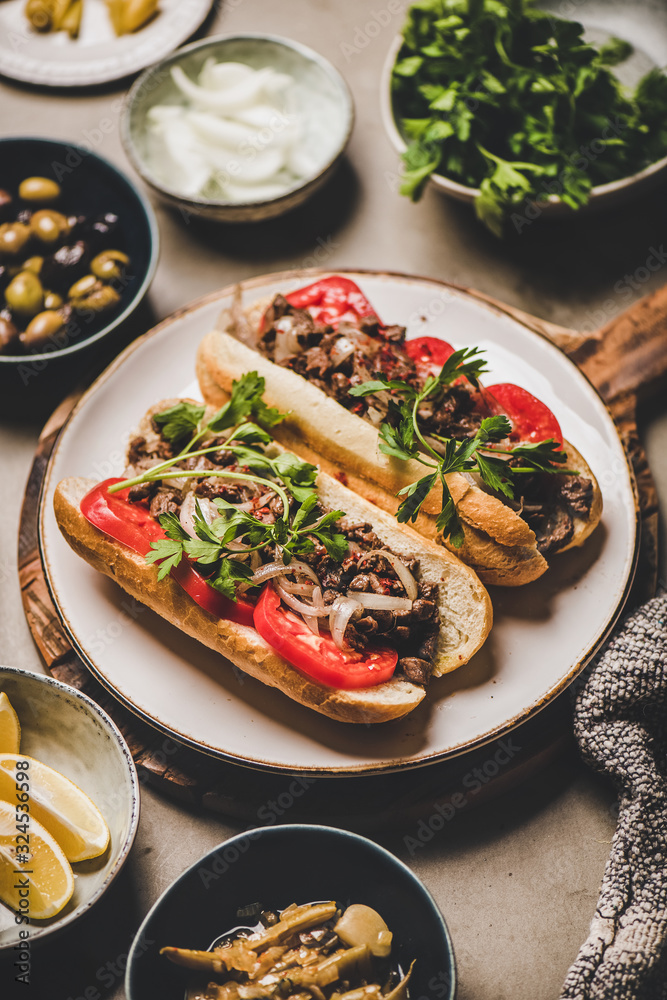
[(230, 573), (504, 97), (397, 442), (381, 385), (449, 523), (415, 494), (168, 552), (466, 363), (245, 401), (298, 476), (179, 422)]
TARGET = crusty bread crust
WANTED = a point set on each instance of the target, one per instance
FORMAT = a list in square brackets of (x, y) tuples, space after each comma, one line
[(464, 605), (499, 544)]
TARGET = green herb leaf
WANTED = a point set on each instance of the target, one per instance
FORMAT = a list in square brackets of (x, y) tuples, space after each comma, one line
[(336, 544), (168, 552), (415, 494), (173, 526), (180, 422), (229, 574), (464, 363), (298, 476), (245, 401), (398, 442), (494, 472), (449, 523)]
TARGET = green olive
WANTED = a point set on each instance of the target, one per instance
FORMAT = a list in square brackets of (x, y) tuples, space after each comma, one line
[(24, 294), (39, 189), (98, 299), (83, 287), (43, 326), (13, 237), (48, 225), (5, 203), (8, 333), (109, 265), (40, 14), (33, 264), (52, 300)]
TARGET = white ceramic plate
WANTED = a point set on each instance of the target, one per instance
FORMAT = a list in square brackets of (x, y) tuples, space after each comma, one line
[(97, 55), (543, 634)]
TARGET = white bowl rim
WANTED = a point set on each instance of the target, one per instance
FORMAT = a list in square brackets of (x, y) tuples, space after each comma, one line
[(173, 58), (462, 190), (38, 931)]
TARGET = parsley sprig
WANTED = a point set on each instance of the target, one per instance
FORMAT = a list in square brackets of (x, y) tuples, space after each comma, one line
[(215, 549), (401, 437), (502, 96)]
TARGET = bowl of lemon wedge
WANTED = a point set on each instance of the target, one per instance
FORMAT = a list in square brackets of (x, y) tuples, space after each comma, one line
[(69, 805)]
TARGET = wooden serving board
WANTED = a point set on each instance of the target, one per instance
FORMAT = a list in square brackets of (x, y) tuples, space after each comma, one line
[(624, 359)]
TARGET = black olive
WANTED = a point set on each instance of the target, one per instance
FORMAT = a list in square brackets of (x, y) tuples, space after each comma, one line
[(78, 227), (101, 229), (69, 263)]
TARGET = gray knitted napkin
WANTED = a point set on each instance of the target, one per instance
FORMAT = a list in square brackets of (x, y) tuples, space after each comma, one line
[(621, 727)]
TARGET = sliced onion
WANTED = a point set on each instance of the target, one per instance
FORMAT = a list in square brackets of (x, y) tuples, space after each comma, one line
[(340, 613), (401, 571), (374, 415), (297, 588), (318, 600), (267, 571), (255, 560), (301, 567), (381, 602), (287, 342), (297, 605), (248, 506), (312, 623), (188, 509), (342, 349)]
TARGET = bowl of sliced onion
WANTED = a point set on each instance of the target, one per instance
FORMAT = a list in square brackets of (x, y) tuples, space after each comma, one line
[(238, 128)]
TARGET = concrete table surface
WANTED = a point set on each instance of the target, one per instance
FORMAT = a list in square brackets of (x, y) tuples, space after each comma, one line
[(517, 879)]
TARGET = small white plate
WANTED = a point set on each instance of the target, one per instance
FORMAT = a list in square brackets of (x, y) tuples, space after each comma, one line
[(543, 633), (64, 728), (97, 55)]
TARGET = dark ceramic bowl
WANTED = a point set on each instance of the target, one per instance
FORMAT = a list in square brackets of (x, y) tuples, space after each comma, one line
[(91, 186), (279, 865)]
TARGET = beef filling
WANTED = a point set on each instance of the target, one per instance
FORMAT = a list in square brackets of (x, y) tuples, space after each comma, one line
[(550, 505), (412, 633), (550, 502), (379, 352)]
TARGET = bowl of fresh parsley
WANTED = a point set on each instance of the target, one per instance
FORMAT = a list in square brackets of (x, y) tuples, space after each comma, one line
[(507, 107)]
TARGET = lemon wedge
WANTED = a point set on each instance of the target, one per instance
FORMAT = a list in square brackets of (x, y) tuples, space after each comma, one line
[(58, 804), (38, 883), (10, 727)]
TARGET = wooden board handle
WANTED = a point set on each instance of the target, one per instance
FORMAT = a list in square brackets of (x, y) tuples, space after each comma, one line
[(629, 354)]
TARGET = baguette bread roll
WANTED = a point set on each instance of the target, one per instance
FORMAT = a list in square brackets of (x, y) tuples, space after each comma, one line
[(464, 605), (499, 543)]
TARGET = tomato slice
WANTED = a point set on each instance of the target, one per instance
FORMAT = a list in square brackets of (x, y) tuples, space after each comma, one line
[(532, 420), (428, 353), (332, 299), (132, 525), (317, 656)]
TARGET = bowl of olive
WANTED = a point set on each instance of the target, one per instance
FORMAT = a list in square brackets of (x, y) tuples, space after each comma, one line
[(78, 250)]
